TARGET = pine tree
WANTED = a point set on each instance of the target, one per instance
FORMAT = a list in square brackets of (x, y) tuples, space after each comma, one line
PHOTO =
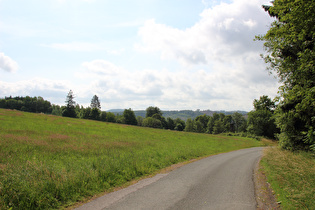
[(69, 109), (95, 102)]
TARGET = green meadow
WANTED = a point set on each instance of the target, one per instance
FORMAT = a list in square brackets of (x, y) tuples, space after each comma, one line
[(50, 162)]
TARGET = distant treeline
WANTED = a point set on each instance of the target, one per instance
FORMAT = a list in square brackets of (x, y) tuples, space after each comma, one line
[(257, 123), (182, 114), (27, 104)]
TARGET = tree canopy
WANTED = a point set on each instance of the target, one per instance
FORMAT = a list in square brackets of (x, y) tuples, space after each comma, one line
[(289, 44), (150, 111), (69, 110), (95, 103), (130, 117)]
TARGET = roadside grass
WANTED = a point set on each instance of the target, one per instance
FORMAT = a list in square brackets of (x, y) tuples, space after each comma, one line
[(292, 177), (50, 162)]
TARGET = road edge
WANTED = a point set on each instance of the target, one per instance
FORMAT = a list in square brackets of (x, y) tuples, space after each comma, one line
[(264, 195)]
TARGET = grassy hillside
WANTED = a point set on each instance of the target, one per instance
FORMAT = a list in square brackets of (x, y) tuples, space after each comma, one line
[(49, 162)]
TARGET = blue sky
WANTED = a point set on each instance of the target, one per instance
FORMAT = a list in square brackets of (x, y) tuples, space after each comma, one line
[(174, 54)]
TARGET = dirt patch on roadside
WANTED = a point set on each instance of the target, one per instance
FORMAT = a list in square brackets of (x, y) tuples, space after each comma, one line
[(265, 197)]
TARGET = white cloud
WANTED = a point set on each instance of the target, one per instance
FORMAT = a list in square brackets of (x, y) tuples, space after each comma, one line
[(223, 31), (221, 44), (54, 91), (7, 63), (230, 88)]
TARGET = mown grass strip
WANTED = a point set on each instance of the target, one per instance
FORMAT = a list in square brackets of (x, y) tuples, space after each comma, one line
[(48, 162), (292, 177)]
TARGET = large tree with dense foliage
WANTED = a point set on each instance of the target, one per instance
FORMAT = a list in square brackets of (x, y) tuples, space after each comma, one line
[(289, 44), (261, 121), (150, 111), (130, 117)]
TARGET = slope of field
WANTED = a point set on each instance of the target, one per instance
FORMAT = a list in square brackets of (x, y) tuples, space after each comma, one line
[(51, 162)]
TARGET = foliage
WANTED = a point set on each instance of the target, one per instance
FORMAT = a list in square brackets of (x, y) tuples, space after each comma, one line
[(264, 103), (290, 54), (170, 123), (238, 123), (151, 122), (50, 162), (139, 120), (56, 110), (292, 177), (27, 104), (179, 124), (261, 121), (95, 114), (103, 116), (201, 123), (69, 109), (130, 117), (150, 111), (110, 117), (95, 102), (190, 125)]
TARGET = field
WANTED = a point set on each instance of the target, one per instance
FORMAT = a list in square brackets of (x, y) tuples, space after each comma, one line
[(53, 162), (292, 177)]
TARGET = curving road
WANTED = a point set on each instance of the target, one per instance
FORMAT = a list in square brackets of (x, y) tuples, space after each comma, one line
[(223, 181)]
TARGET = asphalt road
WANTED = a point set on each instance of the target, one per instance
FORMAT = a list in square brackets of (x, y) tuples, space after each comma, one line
[(223, 181)]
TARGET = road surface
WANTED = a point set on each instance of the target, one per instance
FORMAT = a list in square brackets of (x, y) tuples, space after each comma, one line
[(223, 181)]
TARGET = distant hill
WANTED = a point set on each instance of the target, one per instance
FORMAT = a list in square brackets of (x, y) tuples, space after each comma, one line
[(182, 114)]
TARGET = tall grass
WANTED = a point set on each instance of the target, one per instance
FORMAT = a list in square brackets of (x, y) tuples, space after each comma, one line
[(49, 162), (292, 177)]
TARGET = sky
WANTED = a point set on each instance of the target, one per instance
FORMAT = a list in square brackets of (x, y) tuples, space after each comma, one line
[(173, 54)]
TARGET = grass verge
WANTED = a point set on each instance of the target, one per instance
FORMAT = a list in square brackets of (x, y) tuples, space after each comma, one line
[(292, 177), (50, 162)]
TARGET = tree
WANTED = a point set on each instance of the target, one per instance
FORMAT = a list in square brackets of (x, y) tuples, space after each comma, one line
[(212, 121), (110, 117), (86, 113), (170, 123), (56, 110), (152, 122), (290, 44), (239, 122), (261, 121), (103, 116), (150, 111), (179, 124), (139, 120), (69, 109), (228, 122), (264, 103), (130, 117), (95, 114), (190, 125), (201, 123), (218, 127), (95, 102)]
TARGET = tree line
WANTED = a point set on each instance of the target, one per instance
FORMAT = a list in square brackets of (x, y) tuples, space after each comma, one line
[(258, 123), (289, 44)]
